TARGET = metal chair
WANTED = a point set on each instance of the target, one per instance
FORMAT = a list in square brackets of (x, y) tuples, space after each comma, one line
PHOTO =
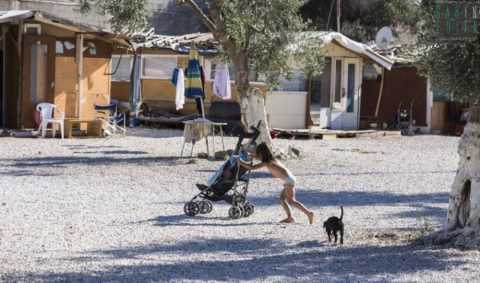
[(113, 121)]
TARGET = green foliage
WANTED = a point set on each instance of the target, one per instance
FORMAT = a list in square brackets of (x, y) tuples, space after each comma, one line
[(309, 56), (361, 19), (453, 65), (262, 30), (125, 15)]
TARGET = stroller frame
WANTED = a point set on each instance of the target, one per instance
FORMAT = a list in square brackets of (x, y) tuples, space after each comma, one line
[(236, 196)]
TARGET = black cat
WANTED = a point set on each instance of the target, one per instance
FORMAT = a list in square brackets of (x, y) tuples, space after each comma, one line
[(333, 225)]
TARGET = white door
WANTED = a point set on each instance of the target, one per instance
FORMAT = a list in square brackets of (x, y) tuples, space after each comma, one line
[(346, 84)]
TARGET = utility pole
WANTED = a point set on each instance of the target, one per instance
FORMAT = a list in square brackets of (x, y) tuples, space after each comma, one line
[(14, 5), (339, 15)]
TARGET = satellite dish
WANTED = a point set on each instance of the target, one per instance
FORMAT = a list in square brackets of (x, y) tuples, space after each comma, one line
[(384, 38)]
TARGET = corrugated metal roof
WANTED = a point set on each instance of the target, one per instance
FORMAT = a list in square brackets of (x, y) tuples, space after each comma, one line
[(14, 15)]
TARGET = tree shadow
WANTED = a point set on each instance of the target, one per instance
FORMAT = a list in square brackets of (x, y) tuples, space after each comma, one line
[(64, 161), (316, 198), (113, 152), (82, 146), (21, 173), (375, 173), (155, 133), (420, 211), (182, 220), (255, 260)]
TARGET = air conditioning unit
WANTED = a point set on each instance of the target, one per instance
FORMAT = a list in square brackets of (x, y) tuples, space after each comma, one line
[(32, 29)]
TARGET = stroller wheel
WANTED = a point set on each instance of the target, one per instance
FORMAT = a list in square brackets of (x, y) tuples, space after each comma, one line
[(235, 212), (205, 206), (191, 208), (239, 199), (249, 209)]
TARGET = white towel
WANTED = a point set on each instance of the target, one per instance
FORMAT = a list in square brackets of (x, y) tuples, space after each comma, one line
[(221, 84), (180, 94)]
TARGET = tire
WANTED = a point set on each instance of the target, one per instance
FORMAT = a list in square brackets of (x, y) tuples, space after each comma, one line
[(235, 212), (249, 209), (210, 206), (191, 208), (205, 207)]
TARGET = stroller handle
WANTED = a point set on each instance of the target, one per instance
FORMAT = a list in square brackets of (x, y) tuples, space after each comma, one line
[(241, 137)]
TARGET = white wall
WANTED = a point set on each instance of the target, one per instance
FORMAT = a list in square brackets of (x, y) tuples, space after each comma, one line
[(287, 109)]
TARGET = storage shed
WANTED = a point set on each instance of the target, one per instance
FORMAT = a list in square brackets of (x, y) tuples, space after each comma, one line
[(46, 58)]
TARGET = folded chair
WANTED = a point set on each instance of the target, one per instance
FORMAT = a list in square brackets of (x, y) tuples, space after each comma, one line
[(113, 122), (47, 117)]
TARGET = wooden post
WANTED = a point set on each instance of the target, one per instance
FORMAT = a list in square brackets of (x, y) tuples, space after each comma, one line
[(308, 117), (19, 75), (339, 15), (4, 75), (379, 100), (79, 61)]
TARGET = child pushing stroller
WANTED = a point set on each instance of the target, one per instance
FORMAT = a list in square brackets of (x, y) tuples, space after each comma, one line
[(229, 183)]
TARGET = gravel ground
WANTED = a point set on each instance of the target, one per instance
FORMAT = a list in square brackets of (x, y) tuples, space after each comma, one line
[(109, 210)]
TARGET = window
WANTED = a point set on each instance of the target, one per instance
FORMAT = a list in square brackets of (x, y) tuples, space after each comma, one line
[(158, 67), (121, 67), (338, 82)]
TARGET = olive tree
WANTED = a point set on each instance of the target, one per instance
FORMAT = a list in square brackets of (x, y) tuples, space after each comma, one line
[(256, 36), (453, 64)]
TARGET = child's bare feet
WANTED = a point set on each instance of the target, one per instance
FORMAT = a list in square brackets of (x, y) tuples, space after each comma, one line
[(311, 217), (288, 220)]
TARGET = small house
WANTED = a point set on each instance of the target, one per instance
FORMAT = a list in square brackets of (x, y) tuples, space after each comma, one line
[(46, 58), (333, 99)]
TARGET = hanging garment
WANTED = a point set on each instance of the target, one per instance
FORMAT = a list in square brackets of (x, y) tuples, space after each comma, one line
[(180, 90), (174, 76), (135, 91), (221, 84), (193, 86), (202, 77)]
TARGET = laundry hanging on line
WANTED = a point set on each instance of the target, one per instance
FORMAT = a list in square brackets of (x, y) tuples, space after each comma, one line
[(178, 80), (193, 76), (221, 84)]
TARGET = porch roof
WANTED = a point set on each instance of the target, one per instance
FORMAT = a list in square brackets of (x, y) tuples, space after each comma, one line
[(350, 44)]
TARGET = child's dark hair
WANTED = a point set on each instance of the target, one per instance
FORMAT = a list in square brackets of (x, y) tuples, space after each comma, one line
[(264, 152)]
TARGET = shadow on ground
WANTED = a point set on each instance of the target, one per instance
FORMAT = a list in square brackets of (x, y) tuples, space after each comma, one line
[(251, 259), (184, 221), (316, 198), (64, 161)]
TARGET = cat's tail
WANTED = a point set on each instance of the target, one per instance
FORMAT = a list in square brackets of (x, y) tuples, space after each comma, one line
[(341, 213)]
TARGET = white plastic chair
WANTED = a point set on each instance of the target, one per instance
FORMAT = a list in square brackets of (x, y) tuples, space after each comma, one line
[(46, 115)]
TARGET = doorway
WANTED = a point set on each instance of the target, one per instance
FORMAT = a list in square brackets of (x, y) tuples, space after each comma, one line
[(335, 95), (38, 72), (346, 103)]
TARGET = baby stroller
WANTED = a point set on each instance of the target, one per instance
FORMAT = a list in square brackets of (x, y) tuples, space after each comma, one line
[(229, 183)]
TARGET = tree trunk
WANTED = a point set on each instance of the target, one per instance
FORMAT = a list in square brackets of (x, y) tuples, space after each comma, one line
[(252, 101), (463, 221)]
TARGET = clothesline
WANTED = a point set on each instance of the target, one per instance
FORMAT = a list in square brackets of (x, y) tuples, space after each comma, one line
[(191, 83)]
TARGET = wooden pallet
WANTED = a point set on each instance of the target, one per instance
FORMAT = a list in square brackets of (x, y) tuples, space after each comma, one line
[(332, 134)]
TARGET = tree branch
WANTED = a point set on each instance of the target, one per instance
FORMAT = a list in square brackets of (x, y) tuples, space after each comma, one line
[(208, 22)]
